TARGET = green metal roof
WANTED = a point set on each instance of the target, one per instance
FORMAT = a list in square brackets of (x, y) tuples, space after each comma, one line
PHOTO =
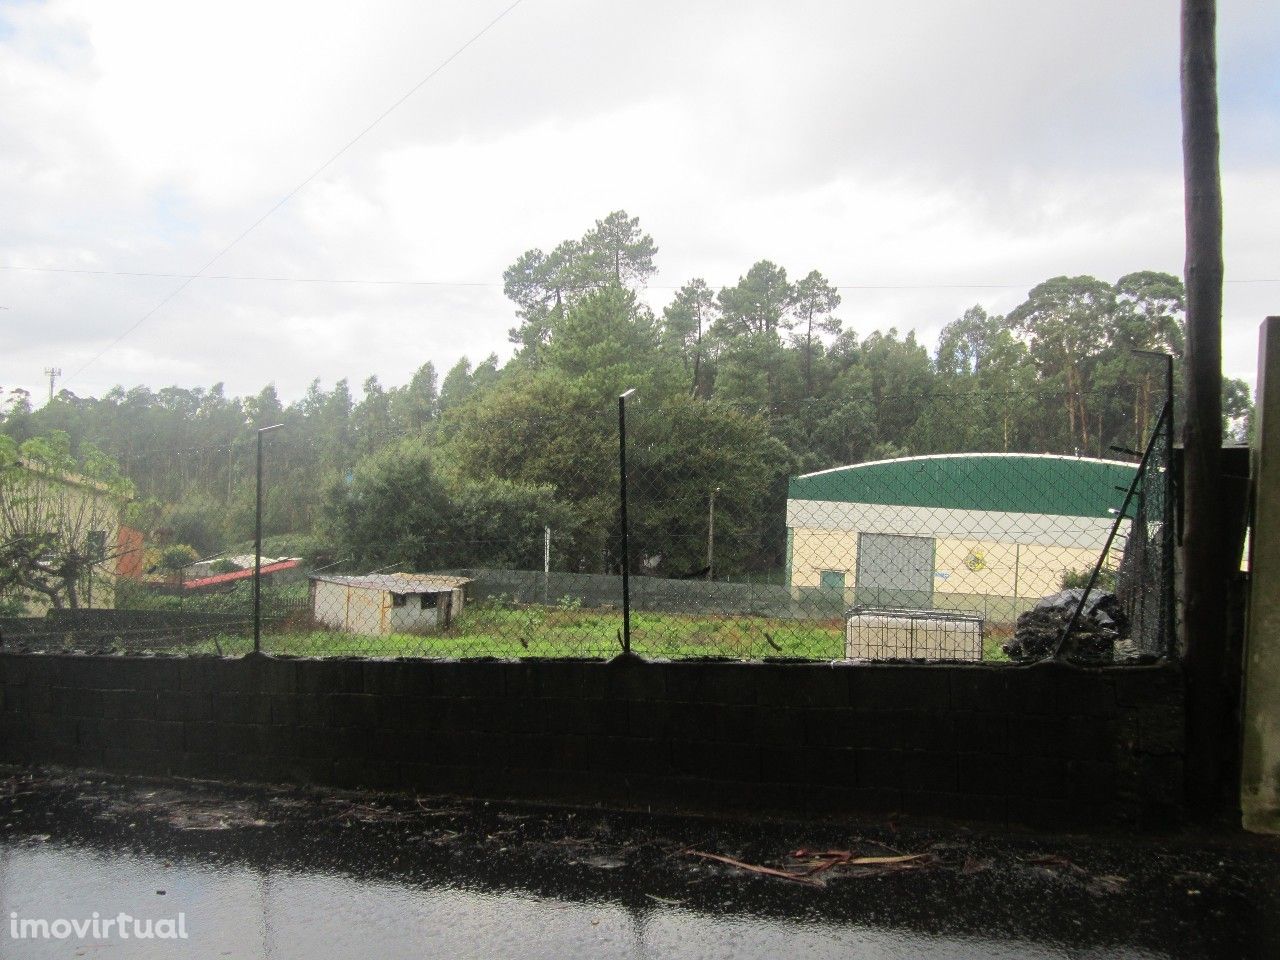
[(1005, 482)]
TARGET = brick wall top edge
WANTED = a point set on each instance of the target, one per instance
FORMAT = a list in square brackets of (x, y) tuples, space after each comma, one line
[(1111, 670)]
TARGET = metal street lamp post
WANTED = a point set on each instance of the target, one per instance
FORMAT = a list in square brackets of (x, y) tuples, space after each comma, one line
[(626, 529), (711, 535), (257, 546)]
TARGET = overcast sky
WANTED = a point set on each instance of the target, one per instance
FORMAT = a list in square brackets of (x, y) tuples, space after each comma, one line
[(928, 146)]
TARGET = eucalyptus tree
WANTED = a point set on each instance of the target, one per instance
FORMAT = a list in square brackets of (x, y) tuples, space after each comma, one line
[(1067, 323)]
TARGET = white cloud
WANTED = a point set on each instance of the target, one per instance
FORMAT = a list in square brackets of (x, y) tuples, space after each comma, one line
[(929, 143)]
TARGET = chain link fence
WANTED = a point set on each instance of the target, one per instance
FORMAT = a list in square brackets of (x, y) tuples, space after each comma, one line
[(503, 535), (1145, 565), (1011, 555)]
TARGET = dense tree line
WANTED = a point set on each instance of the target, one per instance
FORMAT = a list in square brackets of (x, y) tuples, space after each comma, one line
[(737, 389)]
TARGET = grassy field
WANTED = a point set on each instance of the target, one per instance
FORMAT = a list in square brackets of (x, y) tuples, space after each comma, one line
[(535, 631), (500, 628)]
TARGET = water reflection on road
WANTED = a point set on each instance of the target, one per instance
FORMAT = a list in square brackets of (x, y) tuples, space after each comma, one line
[(237, 910)]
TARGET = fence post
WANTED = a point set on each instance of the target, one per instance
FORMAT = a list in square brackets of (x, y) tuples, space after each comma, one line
[(626, 531), (1169, 522), (257, 547), (1143, 465)]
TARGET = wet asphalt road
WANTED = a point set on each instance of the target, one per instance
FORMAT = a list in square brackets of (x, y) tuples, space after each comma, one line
[(256, 872)]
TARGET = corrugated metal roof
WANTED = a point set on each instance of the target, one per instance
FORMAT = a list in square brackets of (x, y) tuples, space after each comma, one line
[(245, 560), (998, 482), (398, 582)]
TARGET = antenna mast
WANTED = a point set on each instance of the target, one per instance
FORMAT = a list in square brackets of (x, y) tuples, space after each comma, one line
[(53, 373)]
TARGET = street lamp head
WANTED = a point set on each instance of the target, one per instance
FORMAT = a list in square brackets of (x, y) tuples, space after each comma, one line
[(627, 394), (274, 426)]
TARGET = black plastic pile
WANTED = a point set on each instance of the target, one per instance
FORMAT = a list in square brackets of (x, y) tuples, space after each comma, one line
[(1094, 637)]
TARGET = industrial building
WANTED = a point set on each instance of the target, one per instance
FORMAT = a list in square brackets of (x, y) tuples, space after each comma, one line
[(982, 533)]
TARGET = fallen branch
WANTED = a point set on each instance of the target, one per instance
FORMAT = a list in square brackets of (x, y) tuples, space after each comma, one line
[(847, 858), (814, 862), (442, 812), (756, 868), (1053, 861)]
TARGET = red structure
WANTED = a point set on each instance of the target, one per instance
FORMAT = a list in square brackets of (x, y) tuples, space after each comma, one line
[(234, 576)]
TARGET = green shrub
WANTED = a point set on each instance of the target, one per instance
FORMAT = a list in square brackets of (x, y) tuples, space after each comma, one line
[(12, 606), (1079, 579), (174, 557)]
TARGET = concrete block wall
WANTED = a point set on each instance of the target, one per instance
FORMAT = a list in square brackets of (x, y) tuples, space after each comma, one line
[(1044, 745)]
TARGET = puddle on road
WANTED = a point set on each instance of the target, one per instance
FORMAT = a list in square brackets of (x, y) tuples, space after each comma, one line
[(284, 873), (239, 911)]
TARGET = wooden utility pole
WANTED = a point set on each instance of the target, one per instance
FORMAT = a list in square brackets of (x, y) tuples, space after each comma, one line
[(1204, 585)]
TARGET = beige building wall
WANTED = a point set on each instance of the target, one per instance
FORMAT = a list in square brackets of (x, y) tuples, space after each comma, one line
[(1007, 569), (412, 616), (1044, 564), (813, 551), (329, 603), (992, 578), (343, 607), (975, 566), (366, 610)]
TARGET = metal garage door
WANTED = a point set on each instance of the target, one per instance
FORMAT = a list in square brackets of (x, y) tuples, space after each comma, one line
[(895, 571)]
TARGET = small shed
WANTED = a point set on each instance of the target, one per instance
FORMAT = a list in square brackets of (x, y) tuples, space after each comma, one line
[(383, 603)]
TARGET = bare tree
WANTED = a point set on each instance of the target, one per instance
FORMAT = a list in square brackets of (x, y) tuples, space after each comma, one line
[(59, 518)]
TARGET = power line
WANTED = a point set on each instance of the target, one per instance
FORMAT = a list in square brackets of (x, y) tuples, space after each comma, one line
[(294, 192), (260, 279), (355, 281)]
